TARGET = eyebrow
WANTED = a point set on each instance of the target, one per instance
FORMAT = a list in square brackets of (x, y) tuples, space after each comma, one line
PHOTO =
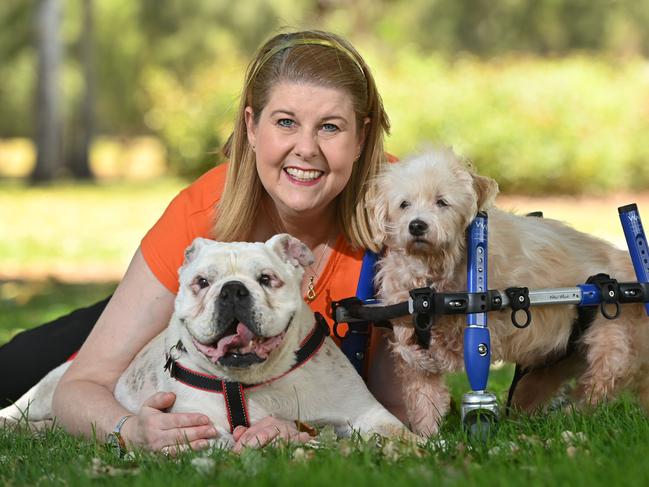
[(292, 114)]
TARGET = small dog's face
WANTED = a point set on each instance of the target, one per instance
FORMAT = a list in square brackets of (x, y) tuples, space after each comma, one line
[(236, 300), (426, 202)]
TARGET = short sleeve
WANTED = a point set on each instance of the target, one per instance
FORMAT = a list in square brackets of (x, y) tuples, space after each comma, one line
[(189, 215)]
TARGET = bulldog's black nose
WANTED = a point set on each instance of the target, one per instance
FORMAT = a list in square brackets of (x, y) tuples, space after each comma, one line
[(234, 290), (417, 228)]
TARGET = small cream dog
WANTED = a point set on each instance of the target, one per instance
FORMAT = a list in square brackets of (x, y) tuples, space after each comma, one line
[(239, 316), (423, 208)]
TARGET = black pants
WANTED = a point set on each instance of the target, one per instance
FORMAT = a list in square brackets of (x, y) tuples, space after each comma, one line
[(30, 355)]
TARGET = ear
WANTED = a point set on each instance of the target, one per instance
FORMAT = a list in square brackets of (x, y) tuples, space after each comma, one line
[(251, 128), (486, 190), (378, 214), (192, 251), (291, 250)]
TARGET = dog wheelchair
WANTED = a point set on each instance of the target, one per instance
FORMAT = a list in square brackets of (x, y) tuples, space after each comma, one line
[(479, 409)]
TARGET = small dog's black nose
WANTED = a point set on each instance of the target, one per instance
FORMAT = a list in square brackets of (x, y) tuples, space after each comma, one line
[(417, 228), (234, 290)]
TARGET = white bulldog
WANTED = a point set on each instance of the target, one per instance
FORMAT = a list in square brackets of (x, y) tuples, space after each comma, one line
[(240, 318)]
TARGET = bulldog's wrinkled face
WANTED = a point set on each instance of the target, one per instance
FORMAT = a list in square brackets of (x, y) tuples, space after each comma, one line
[(427, 202), (237, 300)]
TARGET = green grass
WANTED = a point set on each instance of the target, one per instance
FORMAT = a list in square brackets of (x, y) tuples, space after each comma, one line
[(24, 304), (606, 447), (77, 231), (84, 236)]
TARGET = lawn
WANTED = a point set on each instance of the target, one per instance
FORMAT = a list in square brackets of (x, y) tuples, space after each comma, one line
[(66, 246)]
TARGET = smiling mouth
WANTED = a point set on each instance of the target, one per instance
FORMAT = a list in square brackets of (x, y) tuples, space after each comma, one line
[(303, 176), (239, 347)]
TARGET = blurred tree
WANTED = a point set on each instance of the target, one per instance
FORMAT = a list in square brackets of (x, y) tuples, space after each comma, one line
[(48, 118), (17, 32), (82, 128)]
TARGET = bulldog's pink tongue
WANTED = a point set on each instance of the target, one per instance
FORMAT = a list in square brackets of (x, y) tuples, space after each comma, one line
[(241, 339), (243, 342), (263, 349)]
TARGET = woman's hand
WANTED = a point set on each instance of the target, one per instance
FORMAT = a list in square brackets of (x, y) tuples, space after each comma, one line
[(170, 433), (266, 431)]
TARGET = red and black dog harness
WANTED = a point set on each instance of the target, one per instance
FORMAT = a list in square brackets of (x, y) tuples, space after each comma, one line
[(233, 392)]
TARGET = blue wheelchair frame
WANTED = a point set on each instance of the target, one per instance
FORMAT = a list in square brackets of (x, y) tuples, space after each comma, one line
[(479, 407)]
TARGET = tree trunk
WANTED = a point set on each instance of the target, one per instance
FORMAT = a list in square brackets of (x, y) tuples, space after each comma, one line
[(48, 117), (82, 129)]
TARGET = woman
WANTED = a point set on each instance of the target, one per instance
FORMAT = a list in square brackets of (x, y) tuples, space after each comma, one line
[(307, 139)]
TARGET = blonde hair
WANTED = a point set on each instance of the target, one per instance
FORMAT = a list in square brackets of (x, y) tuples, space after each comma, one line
[(326, 60)]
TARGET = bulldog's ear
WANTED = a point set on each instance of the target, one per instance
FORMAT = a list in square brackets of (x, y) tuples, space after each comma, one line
[(486, 190), (192, 251), (291, 250)]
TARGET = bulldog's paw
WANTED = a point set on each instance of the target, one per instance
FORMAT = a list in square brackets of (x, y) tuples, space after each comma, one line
[(223, 442)]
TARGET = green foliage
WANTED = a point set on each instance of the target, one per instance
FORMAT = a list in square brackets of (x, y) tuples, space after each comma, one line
[(471, 73), (567, 125), (193, 118), (490, 28)]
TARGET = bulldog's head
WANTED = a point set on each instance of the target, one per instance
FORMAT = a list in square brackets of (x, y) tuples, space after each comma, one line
[(236, 301)]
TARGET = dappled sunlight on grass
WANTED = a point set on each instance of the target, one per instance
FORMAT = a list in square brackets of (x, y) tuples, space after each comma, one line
[(77, 232)]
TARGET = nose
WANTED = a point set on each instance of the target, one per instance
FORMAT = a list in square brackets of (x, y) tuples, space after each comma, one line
[(306, 145), (234, 291), (417, 227)]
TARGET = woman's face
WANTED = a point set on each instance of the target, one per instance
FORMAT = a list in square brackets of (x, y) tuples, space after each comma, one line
[(306, 141)]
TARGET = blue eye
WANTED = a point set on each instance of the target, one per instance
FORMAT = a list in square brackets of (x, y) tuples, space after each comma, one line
[(330, 127), (285, 122)]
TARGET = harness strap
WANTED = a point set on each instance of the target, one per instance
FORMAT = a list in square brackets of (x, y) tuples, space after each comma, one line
[(233, 392), (235, 405)]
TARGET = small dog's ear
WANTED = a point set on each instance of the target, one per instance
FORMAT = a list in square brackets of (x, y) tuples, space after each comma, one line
[(291, 250), (378, 214), (486, 190), (196, 245), (376, 206)]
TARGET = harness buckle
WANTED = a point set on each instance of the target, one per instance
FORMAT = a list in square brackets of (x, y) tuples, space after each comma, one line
[(423, 314), (340, 309), (519, 300), (609, 291)]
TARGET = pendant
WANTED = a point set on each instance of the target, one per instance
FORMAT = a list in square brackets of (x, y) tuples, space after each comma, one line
[(310, 294)]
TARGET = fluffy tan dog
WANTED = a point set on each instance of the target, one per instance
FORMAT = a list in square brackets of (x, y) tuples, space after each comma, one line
[(424, 207)]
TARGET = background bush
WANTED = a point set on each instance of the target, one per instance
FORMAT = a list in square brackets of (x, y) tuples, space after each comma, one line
[(546, 96), (568, 125)]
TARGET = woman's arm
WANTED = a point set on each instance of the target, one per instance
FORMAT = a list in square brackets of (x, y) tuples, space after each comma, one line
[(83, 401)]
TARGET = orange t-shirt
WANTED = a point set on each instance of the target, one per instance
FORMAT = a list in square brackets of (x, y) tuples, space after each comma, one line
[(191, 214)]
